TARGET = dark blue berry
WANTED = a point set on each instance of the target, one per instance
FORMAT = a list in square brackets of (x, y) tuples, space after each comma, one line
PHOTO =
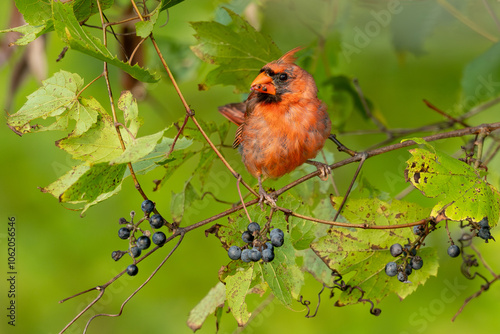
[(391, 269), (276, 231), (147, 206), (159, 238), (269, 246), (143, 242), (453, 251), (484, 233), (484, 223), (135, 252), (267, 255), (416, 262), (245, 255), (156, 221), (418, 229), (396, 250), (408, 269), (402, 277), (253, 226), (132, 270), (255, 255), (124, 233), (277, 240), (247, 237), (234, 252)]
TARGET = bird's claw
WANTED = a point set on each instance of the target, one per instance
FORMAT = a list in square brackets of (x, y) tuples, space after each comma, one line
[(324, 169), (266, 198)]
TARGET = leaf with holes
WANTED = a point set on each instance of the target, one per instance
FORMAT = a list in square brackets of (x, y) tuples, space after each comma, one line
[(462, 192)]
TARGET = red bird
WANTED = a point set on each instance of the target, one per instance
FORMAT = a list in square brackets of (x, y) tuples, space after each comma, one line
[(282, 124)]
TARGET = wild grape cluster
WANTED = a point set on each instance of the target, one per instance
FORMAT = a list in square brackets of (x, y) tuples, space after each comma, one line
[(411, 261), (143, 242), (261, 248)]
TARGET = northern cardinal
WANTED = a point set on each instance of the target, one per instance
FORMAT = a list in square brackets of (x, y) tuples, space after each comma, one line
[(282, 123)]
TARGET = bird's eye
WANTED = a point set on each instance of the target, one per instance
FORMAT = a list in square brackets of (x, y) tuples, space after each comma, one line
[(283, 77)]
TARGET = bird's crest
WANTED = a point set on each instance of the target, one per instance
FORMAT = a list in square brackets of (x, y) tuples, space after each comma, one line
[(289, 57)]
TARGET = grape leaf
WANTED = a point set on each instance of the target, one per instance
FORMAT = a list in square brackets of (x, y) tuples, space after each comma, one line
[(35, 12), (238, 49), (213, 300), (481, 78), (57, 99), (463, 192), (128, 104), (70, 31), (361, 255), (181, 201), (30, 32), (84, 9), (145, 28), (237, 287), (138, 148)]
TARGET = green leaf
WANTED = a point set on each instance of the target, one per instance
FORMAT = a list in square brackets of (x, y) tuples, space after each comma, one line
[(138, 148), (237, 287), (166, 4), (35, 12), (85, 183), (57, 99), (181, 201), (99, 144), (481, 78), (238, 49), (145, 28), (84, 9), (361, 255), (128, 104), (30, 32), (208, 305), (70, 31), (463, 192)]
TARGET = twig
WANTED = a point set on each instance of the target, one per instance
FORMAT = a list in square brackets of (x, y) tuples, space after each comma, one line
[(439, 111)]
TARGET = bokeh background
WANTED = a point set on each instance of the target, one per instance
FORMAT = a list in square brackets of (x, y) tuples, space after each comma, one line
[(419, 54)]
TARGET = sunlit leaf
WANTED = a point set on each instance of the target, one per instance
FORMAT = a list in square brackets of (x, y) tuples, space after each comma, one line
[(213, 300), (237, 286)]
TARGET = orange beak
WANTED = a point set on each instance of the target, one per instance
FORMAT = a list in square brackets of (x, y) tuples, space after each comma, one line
[(264, 84)]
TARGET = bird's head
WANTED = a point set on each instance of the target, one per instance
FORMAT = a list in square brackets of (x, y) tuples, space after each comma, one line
[(281, 78)]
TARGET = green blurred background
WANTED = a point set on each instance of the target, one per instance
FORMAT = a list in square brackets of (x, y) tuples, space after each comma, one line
[(420, 54)]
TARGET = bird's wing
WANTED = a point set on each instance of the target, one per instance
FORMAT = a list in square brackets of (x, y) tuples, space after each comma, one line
[(235, 112)]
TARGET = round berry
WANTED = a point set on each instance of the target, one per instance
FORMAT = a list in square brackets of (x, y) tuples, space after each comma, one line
[(269, 246), (418, 229), (124, 233), (156, 221), (143, 242), (484, 223), (416, 262), (122, 221), (408, 269), (391, 269), (277, 240), (453, 251), (234, 252), (253, 226), (484, 233), (147, 206), (396, 250), (159, 238), (255, 255), (402, 277), (247, 237), (135, 252), (132, 270), (276, 231), (245, 255), (267, 255)]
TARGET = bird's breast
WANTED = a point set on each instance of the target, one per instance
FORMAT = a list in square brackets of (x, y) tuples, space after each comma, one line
[(278, 138)]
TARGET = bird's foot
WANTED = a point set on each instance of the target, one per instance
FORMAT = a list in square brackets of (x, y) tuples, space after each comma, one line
[(266, 198), (324, 169)]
